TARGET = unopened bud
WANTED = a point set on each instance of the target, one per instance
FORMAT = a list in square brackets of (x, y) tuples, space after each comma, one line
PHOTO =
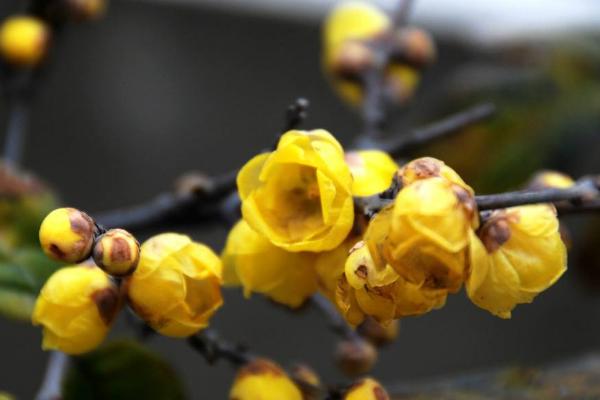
[(377, 333), (355, 357), (117, 252)]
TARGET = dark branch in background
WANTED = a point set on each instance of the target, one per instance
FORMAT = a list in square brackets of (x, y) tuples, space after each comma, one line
[(213, 348), (336, 322), (584, 196), (401, 12), (16, 130), (373, 106), (400, 145), (56, 368)]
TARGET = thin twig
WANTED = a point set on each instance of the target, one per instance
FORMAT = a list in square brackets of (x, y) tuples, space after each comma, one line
[(51, 388), (18, 121), (580, 192), (295, 114), (401, 12), (402, 144)]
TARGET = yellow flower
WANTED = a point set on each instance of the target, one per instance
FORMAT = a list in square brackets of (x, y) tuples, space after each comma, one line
[(372, 171), (117, 252), (263, 380), (67, 234), (550, 179), (368, 289), (366, 389), (251, 260), (429, 233), (76, 308), (517, 254), (299, 196), (84, 10), (176, 286), (429, 167), (24, 40)]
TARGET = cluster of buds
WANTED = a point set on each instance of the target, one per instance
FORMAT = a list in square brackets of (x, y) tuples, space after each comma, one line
[(25, 39), (171, 282), (301, 232), (358, 37)]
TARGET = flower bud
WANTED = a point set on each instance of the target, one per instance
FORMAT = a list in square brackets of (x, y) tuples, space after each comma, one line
[(429, 167), (372, 171), (263, 380), (24, 40), (355, 357), (517, 253), (85, 10), (429, 233), (549, 180), (366, 389), (414, 46), (377, 333), (307, 381), (117, 252), (300, 195), (67, 234), (76, 308), (251, 260), (176, 286)]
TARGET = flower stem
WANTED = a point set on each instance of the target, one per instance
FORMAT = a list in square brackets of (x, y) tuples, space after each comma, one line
[(51, 388)]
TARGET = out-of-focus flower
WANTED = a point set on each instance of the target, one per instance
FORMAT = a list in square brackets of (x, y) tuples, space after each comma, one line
[(251, 260), (76, 308), (355, 357), (24, 40), (366, 389), (263, 380), (117, 252), (85, 10), (176, 287), (300, 195), (67, 234), (372, 171), (517, 254)]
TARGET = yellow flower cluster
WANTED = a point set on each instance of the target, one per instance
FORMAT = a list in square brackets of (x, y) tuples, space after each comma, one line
[(299, 234), (297, 204), (171, 282), (351, 36)]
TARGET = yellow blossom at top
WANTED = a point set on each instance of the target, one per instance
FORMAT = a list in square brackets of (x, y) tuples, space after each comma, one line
[(76, 307), (263, 380), (176, 287), (24, 40), (366, 389), (300, 195), (429, 233), (372, 171), (517, 254), (251, 260), (429, 167)]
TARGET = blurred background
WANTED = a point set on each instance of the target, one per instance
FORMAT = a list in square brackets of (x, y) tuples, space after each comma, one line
[(156, 89)]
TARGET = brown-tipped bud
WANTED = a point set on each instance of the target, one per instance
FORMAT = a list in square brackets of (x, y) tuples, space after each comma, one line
[(415, 47), (379, 334), (307, 380), (85, 10), (355, 357), (366, 389), (354, 58), (67, 234), (117, 252)]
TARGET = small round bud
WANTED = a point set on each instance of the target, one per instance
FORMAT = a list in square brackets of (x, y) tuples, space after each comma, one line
[(67, 234), (549, 180), (117, 252), (377, 333), (86, 10), (415, 47), (353, 60), (355, 357), (76, 308), (307, 381), (366, 389), (24, 40)]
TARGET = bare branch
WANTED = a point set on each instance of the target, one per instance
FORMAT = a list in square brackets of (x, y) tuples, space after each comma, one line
[(336, 321), (212, 347)]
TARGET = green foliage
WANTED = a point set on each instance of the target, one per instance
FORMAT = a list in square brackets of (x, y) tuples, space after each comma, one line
[(122, 370), (23, 266)]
